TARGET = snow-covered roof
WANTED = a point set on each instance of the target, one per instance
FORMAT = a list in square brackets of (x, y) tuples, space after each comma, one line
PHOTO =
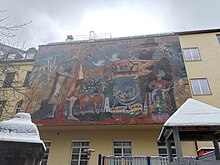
[(195, 113), (19, 129)]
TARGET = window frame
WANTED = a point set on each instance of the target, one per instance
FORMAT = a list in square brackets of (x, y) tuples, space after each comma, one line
[(27, 79), (163, 146), (122, 147), (18, 107), (191, 54), (2, 102), (81, 147), (6, 83), (47, 152), (201, 93), (218, 38)]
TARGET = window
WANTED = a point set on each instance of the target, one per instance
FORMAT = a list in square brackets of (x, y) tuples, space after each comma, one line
[(18, 106), (46, 154), (2, 106), (191, 54), (8, 79), (200, 87), (27, 79), (122, 148), (162, 149), (79, 155), (218, 37)]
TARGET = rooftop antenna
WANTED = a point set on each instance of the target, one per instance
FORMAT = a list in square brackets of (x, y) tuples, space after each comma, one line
[(69, 38), (92, 35)]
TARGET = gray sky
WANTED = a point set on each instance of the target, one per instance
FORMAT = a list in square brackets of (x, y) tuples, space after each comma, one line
[(53, 20)]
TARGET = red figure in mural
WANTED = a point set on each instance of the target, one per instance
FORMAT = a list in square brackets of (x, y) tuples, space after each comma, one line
[(71, 90)]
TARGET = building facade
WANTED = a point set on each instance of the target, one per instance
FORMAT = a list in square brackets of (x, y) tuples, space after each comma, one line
[(15, 71), (112, 96), (200, 50)]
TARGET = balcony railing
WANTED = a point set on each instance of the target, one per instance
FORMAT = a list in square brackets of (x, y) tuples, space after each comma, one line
[(195, 162), (132, 160), (153, 160)]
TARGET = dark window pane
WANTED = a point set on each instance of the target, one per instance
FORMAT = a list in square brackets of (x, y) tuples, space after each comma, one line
[(27, 79), (76, 144), (117, 143), (172, 144), (173, 151), (76, 150), (162, 151), (83, 162), (117, 151), (127, 143), (2, 103), (74, 163), (85, 143), (127, 150), (84, 156), (2, 106), (75, 156), (161, 144), (8, 79)]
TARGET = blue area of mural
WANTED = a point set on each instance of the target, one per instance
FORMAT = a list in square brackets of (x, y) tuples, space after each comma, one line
[(98, 81)]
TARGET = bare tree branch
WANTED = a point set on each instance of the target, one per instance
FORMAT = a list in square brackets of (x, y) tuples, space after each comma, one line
[(12, 88)]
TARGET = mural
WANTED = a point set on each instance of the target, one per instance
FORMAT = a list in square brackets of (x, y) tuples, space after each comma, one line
[(125, 81)]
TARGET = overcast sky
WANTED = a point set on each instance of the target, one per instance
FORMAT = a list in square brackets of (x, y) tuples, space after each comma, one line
[(53, 20)]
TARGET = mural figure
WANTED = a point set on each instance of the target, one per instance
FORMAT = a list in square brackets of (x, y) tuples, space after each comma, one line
[(72, 76)]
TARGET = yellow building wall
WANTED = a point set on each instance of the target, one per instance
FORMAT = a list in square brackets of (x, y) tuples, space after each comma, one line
[(208, 67), (144, 142), (17, 93)]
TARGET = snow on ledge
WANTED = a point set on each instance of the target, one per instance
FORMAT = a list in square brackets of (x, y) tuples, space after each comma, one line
[(19, 129)]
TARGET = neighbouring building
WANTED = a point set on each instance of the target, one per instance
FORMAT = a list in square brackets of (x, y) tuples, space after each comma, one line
[(112, 96), (15, 71)]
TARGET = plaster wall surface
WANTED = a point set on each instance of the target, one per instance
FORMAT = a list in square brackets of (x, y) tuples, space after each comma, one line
[(144, 142), (208, 67)]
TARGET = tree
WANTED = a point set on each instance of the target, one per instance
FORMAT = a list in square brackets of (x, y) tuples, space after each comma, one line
[(7, 31), (15, 67)]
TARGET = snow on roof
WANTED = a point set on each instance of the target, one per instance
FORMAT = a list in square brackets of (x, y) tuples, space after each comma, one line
[(195, 113), (19, 129)]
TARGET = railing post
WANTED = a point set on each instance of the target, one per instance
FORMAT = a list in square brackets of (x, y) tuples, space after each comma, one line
[(100, 159), (217, 153), (169, 151), (148, 160)]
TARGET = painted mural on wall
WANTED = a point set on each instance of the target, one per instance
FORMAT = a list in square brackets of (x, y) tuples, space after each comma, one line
[(124, 81)]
